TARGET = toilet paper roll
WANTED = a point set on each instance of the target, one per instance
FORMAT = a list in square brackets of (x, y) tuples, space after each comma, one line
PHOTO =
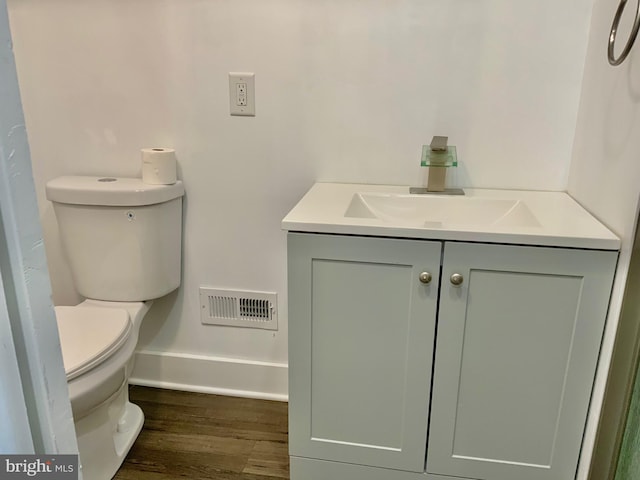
[(159, 166)]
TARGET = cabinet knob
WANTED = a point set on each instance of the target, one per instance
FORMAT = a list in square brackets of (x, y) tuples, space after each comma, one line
[(456, 279), (425, 277)]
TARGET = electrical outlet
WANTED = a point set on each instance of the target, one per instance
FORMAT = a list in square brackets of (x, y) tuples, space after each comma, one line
[(242, 94)]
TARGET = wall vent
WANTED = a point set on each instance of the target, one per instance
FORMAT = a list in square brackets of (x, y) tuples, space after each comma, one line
[(237, 308)]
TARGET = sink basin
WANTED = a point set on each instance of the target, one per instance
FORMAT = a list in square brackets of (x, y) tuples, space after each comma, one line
[(438, 212), (516, 217)]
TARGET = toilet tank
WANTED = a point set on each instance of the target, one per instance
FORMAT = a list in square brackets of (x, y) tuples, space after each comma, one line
[(121, 237)]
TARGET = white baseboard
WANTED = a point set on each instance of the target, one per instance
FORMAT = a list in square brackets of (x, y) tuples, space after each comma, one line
[(217, 375)]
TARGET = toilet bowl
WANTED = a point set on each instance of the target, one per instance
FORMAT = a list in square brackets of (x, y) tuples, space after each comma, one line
[(98, 341), (122, 239)]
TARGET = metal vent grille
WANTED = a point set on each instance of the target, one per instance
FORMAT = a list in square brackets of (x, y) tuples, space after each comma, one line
[(238, 308)]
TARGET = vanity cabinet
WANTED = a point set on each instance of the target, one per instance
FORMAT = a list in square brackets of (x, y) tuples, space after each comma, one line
[(481, 369)]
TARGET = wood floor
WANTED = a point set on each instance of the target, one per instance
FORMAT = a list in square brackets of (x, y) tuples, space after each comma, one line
[(198, 436)]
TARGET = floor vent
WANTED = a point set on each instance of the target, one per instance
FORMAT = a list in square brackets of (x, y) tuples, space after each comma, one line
[(238, 308)]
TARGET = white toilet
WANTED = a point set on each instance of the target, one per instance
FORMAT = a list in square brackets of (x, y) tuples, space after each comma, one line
[(123, 240)]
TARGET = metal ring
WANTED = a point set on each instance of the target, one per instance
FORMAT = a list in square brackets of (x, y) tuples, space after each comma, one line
[(614, 30)]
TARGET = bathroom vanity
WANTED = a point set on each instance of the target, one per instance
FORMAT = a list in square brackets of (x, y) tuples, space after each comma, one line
[(434, 338)]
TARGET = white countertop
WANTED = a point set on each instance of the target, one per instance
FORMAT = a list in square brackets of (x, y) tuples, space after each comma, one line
[(560, 220)]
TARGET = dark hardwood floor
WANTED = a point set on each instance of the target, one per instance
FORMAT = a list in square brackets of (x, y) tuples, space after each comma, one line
[(198, 436)]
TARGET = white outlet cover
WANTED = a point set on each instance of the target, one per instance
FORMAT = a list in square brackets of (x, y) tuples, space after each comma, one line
[(236, 107)]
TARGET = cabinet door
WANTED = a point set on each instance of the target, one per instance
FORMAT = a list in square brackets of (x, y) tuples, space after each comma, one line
[(517, 347), (361, 335)]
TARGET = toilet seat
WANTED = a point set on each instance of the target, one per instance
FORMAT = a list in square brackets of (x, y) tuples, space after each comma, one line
[(89, 336)]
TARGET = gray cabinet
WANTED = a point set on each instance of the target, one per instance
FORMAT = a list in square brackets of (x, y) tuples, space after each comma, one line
[(361, 346), (515, 355)]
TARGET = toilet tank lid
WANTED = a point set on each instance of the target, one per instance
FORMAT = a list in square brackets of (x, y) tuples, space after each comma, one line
[(110, 191)]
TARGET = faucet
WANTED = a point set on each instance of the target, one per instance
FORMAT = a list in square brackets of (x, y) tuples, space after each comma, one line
[(437, 173), (438, 156)]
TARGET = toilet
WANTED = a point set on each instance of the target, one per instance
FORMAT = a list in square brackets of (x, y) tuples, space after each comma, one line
[(123, 240)]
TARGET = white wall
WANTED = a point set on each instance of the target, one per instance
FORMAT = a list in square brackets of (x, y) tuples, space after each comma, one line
[(15, 434), (347, 90), (605, 178), (27, 313)]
